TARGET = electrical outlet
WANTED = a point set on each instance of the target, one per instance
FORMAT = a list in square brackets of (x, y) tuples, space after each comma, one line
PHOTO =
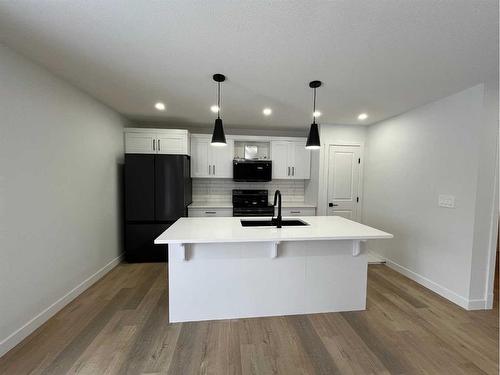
[(447, 201)]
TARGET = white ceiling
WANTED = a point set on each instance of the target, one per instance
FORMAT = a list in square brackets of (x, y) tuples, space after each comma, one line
[(380, 57)]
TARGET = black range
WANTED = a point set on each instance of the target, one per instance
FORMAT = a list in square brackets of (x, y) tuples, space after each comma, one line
[(249, 202)]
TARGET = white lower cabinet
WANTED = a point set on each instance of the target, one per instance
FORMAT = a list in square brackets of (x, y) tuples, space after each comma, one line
[(297, 211), (210, 212)]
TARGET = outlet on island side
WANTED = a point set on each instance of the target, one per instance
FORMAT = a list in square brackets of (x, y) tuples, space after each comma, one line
[(447, 201)]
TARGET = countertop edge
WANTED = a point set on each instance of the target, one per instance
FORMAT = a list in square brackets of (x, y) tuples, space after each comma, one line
[(230, 205), (277, 239)]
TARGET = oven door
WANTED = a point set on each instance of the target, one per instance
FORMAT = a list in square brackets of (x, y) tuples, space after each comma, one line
[(253, 211), (252, 170)]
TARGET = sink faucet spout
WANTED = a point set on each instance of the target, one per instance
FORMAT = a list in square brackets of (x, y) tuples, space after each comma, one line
[(277, 198)]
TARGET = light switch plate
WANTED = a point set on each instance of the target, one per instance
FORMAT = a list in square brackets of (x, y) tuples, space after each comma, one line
[(447, 201)]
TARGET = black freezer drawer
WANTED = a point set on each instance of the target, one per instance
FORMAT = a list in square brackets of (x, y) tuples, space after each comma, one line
[(139, 246)]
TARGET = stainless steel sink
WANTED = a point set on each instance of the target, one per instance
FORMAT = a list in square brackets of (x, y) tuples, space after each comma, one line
[(272, 223)]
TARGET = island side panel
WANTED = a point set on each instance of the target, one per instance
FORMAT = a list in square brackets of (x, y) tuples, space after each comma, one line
[(335, 279), (238, 280)]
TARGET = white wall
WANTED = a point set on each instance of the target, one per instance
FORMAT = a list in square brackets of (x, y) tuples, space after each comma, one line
[(486, 216), (411, 159), (331, 134), (59, 194)]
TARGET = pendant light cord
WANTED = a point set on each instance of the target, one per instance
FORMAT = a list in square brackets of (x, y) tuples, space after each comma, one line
[(218, 100), (314, 105)]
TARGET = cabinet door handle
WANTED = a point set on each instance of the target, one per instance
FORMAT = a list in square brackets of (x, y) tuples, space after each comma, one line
[(154, 144), (295, 212), (214, 168), (210, 212), (209, 169), (289, 171), (159, 146), (332, 204), (293, 171)]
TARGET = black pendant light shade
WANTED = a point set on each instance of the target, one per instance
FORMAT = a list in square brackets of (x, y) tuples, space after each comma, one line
[(313, 142), (218, 136), (313, 138)]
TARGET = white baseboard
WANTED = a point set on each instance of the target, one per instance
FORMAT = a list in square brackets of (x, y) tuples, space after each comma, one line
[(20, 334), (439, 289), (489, 301), (374, 258), (478, 304)]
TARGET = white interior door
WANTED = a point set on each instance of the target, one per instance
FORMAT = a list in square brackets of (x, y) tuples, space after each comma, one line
[(344, 181)]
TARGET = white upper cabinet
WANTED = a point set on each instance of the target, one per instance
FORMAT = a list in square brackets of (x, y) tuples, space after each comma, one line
[(157, 141), (222, 160), (280, 158), (301, 168), (200, 166), (140, 143), (291, 160), (211, 161)]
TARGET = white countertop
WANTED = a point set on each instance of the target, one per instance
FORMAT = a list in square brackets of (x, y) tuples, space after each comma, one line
[(229, 229), (230, 205)]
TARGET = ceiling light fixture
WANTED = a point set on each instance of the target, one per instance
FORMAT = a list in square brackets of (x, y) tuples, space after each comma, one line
[(267, 111), (214, 109), (316, 113), (160, 106), (362, 116), (218, 136), (313, 137)]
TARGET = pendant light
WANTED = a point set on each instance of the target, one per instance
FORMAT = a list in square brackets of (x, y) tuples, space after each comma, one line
[(313, 137), (218, 136)]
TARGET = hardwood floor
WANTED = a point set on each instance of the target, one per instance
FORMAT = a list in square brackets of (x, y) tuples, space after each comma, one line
[(119, 326)]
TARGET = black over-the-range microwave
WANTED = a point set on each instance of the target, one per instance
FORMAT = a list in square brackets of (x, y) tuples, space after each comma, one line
[(252, 170)]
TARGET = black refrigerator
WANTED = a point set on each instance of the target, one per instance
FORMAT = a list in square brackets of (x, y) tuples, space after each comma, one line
[(158, 189)]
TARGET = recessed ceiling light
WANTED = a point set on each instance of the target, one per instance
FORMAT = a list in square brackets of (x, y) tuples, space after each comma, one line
[(267, 111), (214, 109), (362, 116), (316, 113), (160, 106)]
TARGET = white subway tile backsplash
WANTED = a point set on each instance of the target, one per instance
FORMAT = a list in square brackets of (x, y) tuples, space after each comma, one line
[(220, 189)]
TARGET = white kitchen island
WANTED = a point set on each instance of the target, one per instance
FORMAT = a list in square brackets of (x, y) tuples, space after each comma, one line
[(218, 269)]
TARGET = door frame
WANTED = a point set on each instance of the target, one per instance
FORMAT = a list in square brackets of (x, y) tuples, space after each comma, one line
[(323, 176)]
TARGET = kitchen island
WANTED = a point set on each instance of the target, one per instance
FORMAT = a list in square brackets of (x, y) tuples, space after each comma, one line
[(219, 269)]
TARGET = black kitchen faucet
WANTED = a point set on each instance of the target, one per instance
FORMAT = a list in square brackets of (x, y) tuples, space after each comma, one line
[(277, 197)]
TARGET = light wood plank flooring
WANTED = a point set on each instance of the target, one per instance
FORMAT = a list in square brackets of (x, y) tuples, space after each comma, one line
[(119, 326)]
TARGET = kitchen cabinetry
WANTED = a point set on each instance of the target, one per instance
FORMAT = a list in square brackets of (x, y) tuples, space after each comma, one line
[(157, 141), (291, 160), (210, 212), (296, 211), (211, 161)]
